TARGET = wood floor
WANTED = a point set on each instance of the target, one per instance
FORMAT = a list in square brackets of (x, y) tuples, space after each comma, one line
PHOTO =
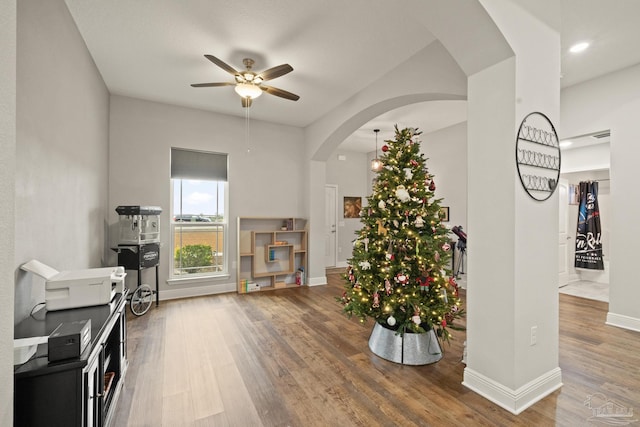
[(290, 358)]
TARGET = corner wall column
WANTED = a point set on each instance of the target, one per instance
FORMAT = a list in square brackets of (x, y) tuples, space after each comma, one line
[(317, 175), (512, 294)]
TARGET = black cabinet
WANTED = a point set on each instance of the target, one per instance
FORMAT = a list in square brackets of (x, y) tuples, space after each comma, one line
[(74, 392)]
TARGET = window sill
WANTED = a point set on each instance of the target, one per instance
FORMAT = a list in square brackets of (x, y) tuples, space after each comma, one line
[(197, 280)]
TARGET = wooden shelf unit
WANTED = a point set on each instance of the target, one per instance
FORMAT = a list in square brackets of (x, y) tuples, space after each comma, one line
[(270, 252)]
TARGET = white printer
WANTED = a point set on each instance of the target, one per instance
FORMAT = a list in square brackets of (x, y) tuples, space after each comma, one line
[(77, 288)]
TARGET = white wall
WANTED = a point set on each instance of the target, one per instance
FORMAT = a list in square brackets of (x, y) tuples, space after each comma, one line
[(613, 102), (7, 195), (62, 118), (592, 157), (350, 177), (446, 154), (589, 107), (266, 182), (513, 257)]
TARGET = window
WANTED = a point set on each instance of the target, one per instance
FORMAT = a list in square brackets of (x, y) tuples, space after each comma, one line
[(199, 219)]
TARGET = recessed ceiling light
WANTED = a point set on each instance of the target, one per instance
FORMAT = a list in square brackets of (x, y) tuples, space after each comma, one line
[(565, 144), (579, 47)]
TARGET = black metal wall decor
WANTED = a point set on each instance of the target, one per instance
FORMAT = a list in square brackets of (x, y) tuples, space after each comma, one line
[(538, 156)]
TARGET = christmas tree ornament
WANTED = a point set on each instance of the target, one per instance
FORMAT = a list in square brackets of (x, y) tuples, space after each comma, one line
[(436, 256), (365, 265), (389, 255), (391, 321), (416, 319), (385, 148), (382, 204), (402, 194), (381, 230), (443, 293), (366, 244), (423, 282), (446, 247), (432, 186), (413, 162), (376, 300), (402, 279), (419, 222), (408, 173), (387, 286)]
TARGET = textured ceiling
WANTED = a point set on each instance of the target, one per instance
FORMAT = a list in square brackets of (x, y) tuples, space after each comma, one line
[(154, 50)]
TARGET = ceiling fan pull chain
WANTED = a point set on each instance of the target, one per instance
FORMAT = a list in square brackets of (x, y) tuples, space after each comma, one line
[(247, 130)]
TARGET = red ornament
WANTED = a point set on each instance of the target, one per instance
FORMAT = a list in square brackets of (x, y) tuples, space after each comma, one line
[(413, 163), (444, 323), (402, 278), (432, 186), (385, 148)]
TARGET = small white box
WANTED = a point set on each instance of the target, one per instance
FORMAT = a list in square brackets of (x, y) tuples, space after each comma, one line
[(252, 287)]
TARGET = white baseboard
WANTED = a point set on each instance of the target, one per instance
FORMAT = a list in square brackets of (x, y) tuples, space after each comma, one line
[(514, 401), (622, 321), (317, 281), (197, 291)]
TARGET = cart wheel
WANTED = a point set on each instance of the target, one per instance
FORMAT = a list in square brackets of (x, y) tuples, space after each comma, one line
[(141, 300)]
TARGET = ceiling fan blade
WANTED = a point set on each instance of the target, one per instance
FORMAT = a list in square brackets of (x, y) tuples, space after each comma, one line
[(228, 68), (280, 92), (274, 72), (246, 102), (212, 84)]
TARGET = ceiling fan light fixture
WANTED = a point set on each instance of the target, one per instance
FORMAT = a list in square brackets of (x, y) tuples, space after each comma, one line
[(248, 90)]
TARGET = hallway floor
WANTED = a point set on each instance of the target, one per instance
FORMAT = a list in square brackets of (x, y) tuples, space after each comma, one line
[(586, 289)]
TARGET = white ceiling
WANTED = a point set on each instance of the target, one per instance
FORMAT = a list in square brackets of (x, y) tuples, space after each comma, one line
[(153, 49)]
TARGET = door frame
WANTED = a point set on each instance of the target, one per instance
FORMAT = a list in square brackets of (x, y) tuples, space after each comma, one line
[(335, 216)]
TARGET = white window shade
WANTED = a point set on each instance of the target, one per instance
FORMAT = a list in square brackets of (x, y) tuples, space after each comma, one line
[(191, 164)]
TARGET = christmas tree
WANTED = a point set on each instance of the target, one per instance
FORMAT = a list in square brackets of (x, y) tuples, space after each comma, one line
[(399, 273)]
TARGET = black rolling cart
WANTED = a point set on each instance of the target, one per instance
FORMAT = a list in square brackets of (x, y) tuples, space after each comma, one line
[(139, 249)]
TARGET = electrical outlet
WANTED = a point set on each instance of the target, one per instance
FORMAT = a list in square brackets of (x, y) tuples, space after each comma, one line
[(534, 335)]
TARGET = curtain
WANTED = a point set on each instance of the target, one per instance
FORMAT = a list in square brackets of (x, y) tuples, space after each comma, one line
[(588, 236), (191, 164)]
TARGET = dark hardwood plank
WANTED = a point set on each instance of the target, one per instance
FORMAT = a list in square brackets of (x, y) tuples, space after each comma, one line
[(291, 358)]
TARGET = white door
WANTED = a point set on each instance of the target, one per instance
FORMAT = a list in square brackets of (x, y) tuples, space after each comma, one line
[(330, 230), (563, 232)]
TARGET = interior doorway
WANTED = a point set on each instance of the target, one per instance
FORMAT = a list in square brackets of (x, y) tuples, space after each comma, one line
[(330, 228), (563, 233)]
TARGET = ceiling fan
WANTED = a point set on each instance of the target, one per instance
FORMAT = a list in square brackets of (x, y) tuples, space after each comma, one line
[(248, 83)]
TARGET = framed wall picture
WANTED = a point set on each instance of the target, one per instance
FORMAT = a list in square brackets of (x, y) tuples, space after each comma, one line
[(574, 194), (444, 214), (352, 206)]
